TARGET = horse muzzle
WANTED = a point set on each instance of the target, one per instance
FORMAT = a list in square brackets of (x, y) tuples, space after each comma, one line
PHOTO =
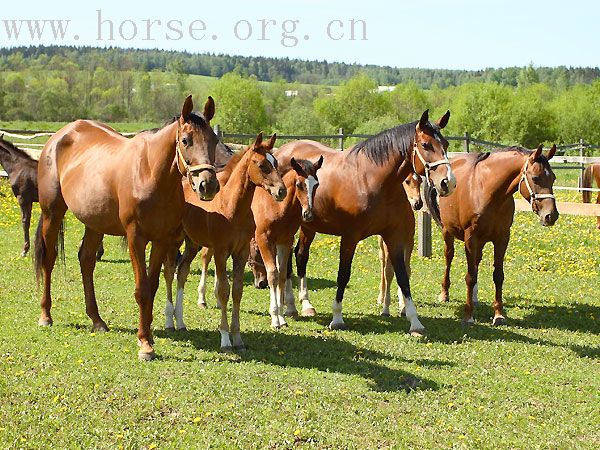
[(307, 215), (205, 184), (416, 204)]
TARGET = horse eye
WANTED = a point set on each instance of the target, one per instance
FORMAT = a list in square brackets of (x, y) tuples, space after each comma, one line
[(184, 141), (299, 185)]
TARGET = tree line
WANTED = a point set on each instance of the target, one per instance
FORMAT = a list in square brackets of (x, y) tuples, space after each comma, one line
[(57, 88)]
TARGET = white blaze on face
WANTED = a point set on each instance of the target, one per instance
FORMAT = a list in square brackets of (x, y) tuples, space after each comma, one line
[(311, 183)]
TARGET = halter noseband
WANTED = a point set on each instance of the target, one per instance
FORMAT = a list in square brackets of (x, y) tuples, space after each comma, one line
[(427, 165), (532, 195), (189, 170)]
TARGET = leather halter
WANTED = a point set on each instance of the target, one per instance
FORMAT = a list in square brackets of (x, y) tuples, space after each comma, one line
[(532, 195), (190, 170), (427, 165)]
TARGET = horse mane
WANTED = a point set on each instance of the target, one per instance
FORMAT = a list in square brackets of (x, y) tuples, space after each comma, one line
[(378, 148), (14, 150), (233, 162), (431, 200)]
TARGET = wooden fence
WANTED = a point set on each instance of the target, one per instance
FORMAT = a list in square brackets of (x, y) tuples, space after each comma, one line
[(23, 138)]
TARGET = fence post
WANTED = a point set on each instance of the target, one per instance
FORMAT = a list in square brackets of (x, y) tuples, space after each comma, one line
[(581, 165), (341, 138), (424, 233), (467, 141)]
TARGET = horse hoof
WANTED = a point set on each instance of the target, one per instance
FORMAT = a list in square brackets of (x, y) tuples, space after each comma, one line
[(497, 321), (418, 333), (338, 326), (146, 356), (292, 314), (23, 254), (309, 312), (45, 322), (99, 328), (181, 329), (385, 314), (239, 348), (227, 349), (202, 305), (169, 329), (403, 314), (468, 322), (443, 298)]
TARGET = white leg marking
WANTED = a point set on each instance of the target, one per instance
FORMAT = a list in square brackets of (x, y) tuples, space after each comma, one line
[(303, 289), (337, 314), (476, 294), (401, 302), (225, 340), (202, 289), (216, 292), (236, 337), (169, 310), (179, 309), (289, 293), (411, 314), (274, 308)]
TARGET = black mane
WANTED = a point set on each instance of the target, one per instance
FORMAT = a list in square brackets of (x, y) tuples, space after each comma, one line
[(379, 147)]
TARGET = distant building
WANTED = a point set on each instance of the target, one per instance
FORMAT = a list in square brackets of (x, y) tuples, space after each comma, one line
[(290, 93), (385, 88)]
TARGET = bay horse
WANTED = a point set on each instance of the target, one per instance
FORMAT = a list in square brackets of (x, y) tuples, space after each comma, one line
[(226, 225), (22, 176), (124, 187), (482, 209), (361, 194), (591, 172), (276, 226)]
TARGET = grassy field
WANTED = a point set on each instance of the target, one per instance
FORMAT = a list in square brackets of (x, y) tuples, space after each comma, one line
[(532, 384)]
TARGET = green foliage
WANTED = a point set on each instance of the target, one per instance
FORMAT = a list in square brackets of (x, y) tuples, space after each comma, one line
[(408, 102)]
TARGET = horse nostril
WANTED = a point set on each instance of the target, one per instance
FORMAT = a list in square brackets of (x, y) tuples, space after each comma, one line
[(203, 185)]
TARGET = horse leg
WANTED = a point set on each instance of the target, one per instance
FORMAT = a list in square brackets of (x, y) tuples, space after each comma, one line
[(384, 289), (449, 255), (500, 246), (289, 288), (47, 236), (205, 256), (137, 251), (169, 274), (347, 248), (473, 250), (408, 249), (25, 206), (158, 258), (183, 270), (598, 202), (283, 258), (100, 251), (239, 263), (396, 248), (302, 251), (87, 262), (222, 292), (269, 257)]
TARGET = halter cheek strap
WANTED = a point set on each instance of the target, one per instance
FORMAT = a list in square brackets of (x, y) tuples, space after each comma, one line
[(532, 195), (427, 165), (189, 170)]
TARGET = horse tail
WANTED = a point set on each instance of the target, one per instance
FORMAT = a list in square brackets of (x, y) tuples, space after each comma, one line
[(432, 203), (39, 252), (586, 182)]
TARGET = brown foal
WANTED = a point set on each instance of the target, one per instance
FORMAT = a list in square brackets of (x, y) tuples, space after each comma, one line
[(124, 187), (592, 172), (226, 225)]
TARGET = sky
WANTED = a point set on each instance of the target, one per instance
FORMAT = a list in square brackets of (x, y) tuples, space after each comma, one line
[(458, 34)]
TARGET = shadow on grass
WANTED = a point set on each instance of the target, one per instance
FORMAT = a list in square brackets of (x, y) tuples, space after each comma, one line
[(324, 353), (114, 261), (578, 317)]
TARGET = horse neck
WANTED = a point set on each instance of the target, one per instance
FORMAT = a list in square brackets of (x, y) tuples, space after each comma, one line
[(160, 155), (235, 198), (290, 201), (7, 160), (506, 175)]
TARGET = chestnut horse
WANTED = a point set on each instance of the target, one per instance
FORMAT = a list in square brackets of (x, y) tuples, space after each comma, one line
[(361, 195), (22, 176), (226, 225), (592, 172), (276, 226), (124, 187), (482, 209), (412, 186)]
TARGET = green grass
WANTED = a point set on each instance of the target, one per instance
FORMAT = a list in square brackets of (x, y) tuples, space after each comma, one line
[(532, 384)]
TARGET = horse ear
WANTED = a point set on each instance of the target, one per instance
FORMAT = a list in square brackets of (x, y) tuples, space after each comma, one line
[(188, 107), (551, 152), (444, 120), (424, 120), (271, 143), (259, 139), (297, 167), (319, 163), (209, 109), (536, 154)]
